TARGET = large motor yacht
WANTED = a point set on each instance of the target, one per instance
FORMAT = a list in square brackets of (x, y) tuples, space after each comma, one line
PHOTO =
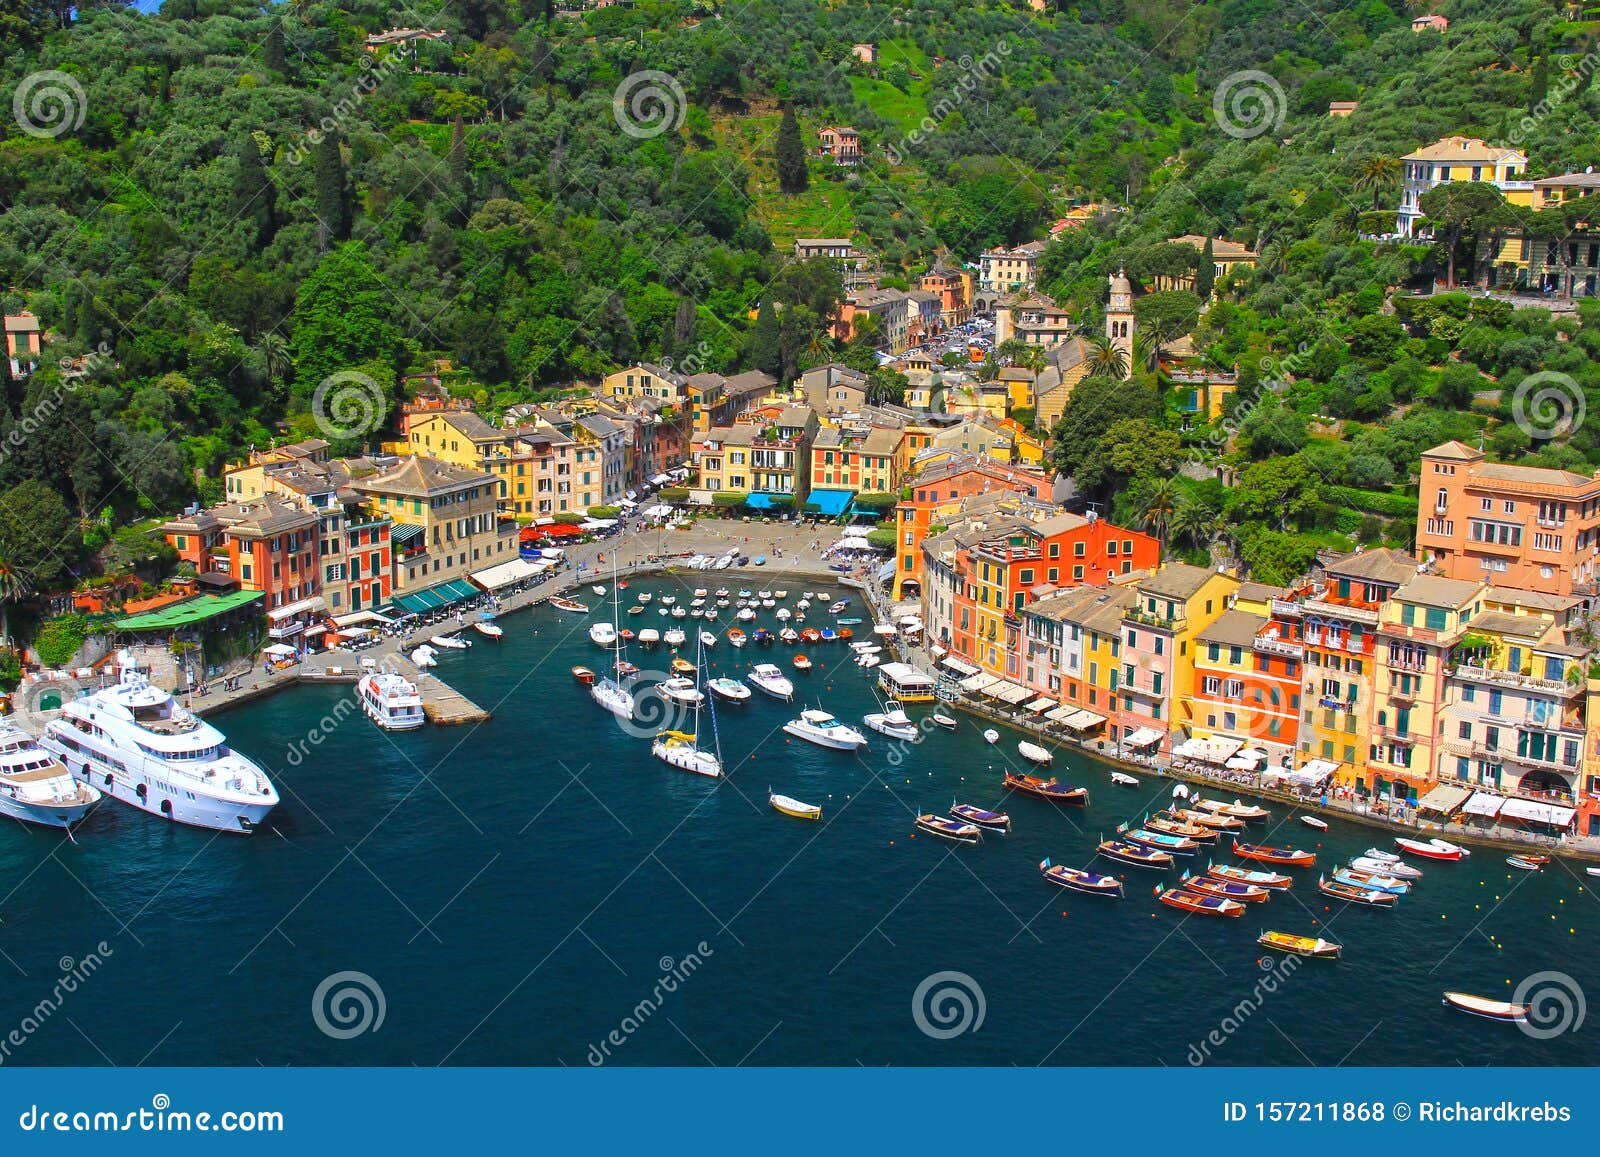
[(133, 742)]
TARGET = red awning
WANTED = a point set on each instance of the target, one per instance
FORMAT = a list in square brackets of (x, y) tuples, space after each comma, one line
[(554, 530)]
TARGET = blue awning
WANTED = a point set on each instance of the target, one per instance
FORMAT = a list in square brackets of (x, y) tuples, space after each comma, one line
[(761, 501), (830, 502)]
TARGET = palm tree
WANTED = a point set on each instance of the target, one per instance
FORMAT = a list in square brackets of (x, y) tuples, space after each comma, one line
[(1192, 523), (1159, 503), (274, 350), (1376, 172), (13, 586), (1106, 359)]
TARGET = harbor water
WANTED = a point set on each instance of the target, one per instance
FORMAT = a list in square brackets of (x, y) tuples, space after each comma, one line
[(538, 890)]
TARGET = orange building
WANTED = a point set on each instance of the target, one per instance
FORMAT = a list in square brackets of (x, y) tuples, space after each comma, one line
[(264, 544), (1517, 526), (938, 495)]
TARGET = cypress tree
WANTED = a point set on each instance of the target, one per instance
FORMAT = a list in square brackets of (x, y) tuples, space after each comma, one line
[(272, 51), (9, 394), (254, 198), (791, 155), (765, 349), (333, 193), (1540, 85), (1205, 274)]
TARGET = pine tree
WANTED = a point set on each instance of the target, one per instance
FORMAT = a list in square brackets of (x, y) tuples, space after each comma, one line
[(791, 155), (765, 348), (272, 50), (333, 192), (1205, 274), (254, 198)]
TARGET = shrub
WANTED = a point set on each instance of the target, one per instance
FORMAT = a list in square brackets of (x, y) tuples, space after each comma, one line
[(59, 639)]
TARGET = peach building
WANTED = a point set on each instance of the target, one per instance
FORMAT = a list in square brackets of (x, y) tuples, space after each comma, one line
[(1517, 526)]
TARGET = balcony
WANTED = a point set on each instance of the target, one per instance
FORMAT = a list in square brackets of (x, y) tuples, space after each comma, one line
[(1345, 612), (1393, 735), (1279, 647), (1160, 622), (1286, 608), (1495, 678)]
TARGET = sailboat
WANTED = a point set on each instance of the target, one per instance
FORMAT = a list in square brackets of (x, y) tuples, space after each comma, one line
[(608, 690), (681, 749)]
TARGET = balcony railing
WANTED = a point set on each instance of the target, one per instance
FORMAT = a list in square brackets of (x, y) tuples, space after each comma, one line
[(1287, 608), (1279, 647), (1174, 623), (1516, 679), (1340, 611)]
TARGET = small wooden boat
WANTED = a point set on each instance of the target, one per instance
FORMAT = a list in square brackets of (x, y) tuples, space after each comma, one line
[(1048, 789), (1525, 863), (645, 597), (945, 721), (1214, 820), (562, 604), (1355, 895), (1243, 811), (845, 633), (1081, 881), (1273, 880), (1122, 779), (1140, 857), (1164, 823), (1294, 945), (1199, 903), (1483, 1006), (1430, 850), (1315, 822), (636, 609), (989, 821), (1377, 881), (811, 635), (626, 669), (1178, 845), (583, 675), (793, 807), (1034, 753), (1232, 890), (682, 667), (948, 829), (1288, 857), (802, 663), (736, 636)]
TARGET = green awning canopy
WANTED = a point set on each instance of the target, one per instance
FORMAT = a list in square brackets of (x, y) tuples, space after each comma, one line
[(187, 613), (440, 595)]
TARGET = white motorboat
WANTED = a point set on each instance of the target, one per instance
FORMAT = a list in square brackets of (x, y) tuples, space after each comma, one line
[(599, 590), (746, 615), (668, 600), (769, 678), (390, 700), (1397, 868), (674, 637), (697, 603), (423, 658), (700, 593), (788, 635), (893, 722), (784, 614), (824, 730), (679, 613), (764, 596), (721, 592), (489, 628), (1381, 856), (450, 642), (948, 722), (730, 689), (35, 786), (133, 742), (711, 614), (603, 634), (649, 637), (707, 639), (990, 735), (1034, 753), (768, 603), (682, 690), (1123, 779), (645, 597)]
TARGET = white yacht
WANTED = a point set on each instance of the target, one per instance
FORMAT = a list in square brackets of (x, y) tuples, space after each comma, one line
[(34, 785), (707, 640), (603, 634), (769, 678), (682, 690), (730, 689), (390, 700), (608, 690), (133, 742), (682, 749), (893, 722), (824, 730), (674, 637), (649, 637)]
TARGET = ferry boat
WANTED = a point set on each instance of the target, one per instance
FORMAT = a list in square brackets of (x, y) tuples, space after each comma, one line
[(793, 807), (133, 742), (1356, 895), (390, 700), (730, 689), (1314, 946), (35, 786), (1199, 903), (1140, 857), (769, 678), (821, 728), (893, 722), (1230, 889), (949, 829), (1048, 789), (1483, 1006), (1288, 857), (1081, 881), (987, 820), (1273, 880)]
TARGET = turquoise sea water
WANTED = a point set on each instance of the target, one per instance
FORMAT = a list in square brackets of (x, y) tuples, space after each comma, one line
[(519, 890)]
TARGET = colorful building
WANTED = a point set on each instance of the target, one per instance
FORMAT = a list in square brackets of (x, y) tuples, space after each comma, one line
[(936, 495), (1171, 607)]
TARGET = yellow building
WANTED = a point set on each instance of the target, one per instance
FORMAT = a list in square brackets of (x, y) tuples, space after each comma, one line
[(644, 380), (1172, 606), (1463, 159), (445, 520)]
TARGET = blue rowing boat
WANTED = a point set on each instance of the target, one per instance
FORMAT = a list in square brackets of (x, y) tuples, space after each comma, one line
[(1081, 881), (1181, 845), (972, 814), (1126, 853)]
